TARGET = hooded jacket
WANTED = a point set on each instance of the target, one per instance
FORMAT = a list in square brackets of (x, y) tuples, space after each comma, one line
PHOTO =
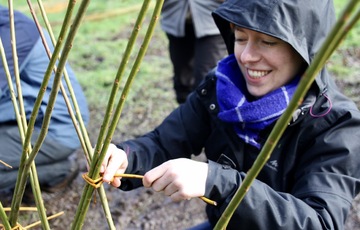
[(313, 174)]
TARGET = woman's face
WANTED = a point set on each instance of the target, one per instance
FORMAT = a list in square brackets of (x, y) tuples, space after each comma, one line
[(267, 63)]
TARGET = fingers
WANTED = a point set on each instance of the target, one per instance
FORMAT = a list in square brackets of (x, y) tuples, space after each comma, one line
[(179, 196), (156, 175), (180, 179), (116, 181), (115, 161), (162, 179)]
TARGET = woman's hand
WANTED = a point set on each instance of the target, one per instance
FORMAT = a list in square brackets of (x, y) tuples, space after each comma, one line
[(115, 161), (180, 178)]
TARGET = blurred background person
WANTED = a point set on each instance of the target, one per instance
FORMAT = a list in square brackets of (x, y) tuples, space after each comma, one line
[(195, 43)]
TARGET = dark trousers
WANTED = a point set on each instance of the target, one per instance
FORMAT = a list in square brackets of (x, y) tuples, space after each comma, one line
[(192, 59), (52, 161)]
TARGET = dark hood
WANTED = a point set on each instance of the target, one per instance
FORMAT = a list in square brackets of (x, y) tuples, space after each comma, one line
[(304, 24)]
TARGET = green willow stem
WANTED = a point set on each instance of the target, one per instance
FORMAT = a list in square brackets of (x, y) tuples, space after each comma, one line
[(332, 41), (56, 85), (21, 120), (94, 173), (130, 80), (351, 21), (3, 218), (13, 98), (37, 191), (16, 65), (83, 135), (25, 162), (134, 71), (62, 88), (119, 75)]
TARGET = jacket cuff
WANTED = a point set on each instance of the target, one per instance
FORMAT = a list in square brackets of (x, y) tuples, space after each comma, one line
[(222, 181)]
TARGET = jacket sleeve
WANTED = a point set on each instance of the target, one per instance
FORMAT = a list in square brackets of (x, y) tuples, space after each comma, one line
[(180, 135), (325, 181)]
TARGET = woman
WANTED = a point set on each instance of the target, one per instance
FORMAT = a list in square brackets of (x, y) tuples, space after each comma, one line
[(312, 176)]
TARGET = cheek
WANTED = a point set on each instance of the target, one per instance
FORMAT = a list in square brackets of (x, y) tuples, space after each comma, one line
[(237, 52), (292, 66), (291, 60)]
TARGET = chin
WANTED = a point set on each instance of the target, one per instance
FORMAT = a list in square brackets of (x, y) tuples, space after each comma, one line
[(256, 93)]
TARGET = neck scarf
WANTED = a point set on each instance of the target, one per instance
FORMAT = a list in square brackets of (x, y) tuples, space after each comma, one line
[(248, 117)]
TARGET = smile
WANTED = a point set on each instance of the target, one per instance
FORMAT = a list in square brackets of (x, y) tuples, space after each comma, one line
[(257, 73)]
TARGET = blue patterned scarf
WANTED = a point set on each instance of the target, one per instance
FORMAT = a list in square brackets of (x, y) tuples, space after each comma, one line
[(248, 117)]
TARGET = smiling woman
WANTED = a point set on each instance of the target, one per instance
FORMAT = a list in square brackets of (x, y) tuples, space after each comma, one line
[(231, 114), (266, 62)]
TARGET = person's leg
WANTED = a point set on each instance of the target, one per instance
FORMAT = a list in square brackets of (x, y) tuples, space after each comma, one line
[(208, 51), (181, 50), (52, 161)]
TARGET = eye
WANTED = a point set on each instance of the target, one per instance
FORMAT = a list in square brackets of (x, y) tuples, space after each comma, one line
[(240, 39), (269, 43)]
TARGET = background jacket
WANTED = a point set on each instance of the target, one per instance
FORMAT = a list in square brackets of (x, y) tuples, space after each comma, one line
[(33, 62), (174, 14), (313, 174)]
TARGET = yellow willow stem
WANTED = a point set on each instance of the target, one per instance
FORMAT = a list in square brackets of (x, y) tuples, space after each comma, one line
[(25, 162), (48, 218), (332, 41)]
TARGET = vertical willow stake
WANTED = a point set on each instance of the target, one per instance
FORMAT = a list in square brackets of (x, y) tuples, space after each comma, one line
[(25, 163), (87, 147), (82, 134), (13, 99), (22, 125), (88, 190), (3, 218), (332, 41), (15, 60), (130, 79), (120, 73)]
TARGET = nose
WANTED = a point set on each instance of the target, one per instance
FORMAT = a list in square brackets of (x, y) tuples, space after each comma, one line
[(250, 53)]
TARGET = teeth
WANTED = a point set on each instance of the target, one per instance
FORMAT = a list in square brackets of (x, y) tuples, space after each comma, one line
[(257, 74)]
